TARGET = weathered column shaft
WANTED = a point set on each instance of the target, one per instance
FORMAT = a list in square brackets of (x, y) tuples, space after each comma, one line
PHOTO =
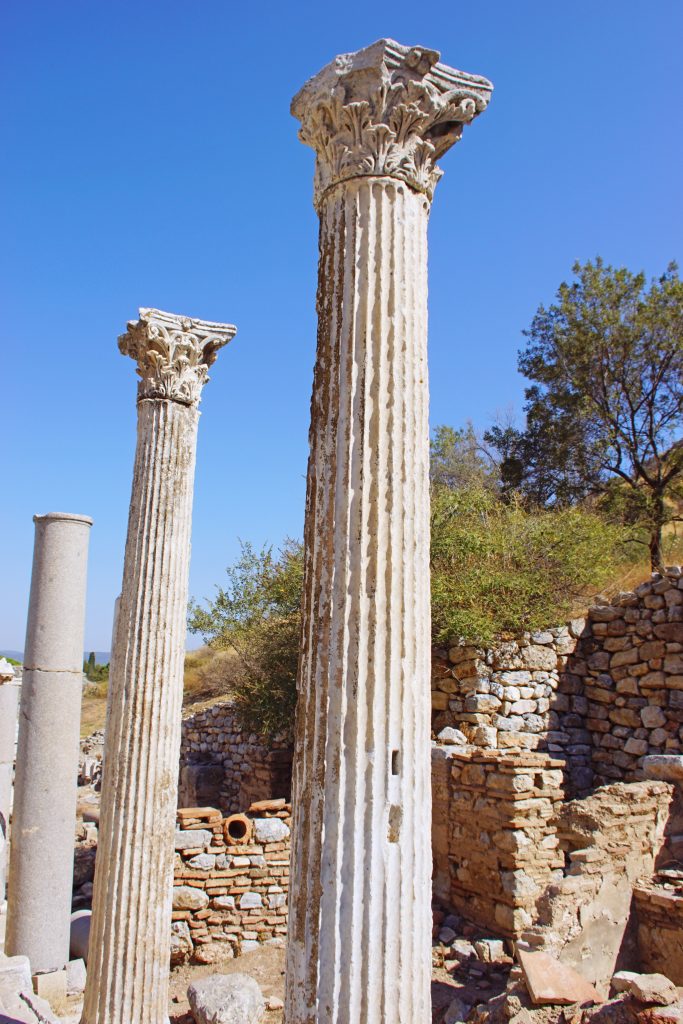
[(129, 949), (361, 909), (359, 945), (9, 708), (46, 778)]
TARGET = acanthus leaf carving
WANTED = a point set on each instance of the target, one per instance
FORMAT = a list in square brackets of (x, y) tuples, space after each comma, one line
[(173, 353), (386, 110)]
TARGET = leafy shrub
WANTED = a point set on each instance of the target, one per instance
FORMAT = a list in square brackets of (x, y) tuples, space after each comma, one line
[(499, 568)]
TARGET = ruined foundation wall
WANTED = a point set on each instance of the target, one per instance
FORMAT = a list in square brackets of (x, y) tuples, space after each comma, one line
[(629, 663), (223, 766), (494, 838), (609, 840), (659, 921)]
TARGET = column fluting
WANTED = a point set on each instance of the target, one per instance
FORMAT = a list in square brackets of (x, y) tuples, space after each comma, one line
[(359, 944), (129, 948)]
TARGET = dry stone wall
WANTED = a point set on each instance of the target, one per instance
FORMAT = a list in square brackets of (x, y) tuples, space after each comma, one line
[(231, 879), (600, 693), (222, 766), (629, 667)]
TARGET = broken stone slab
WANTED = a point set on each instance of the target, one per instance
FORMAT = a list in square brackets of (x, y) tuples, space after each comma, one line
[(550, 982), (51, 985), (663, 767), (226, 999)]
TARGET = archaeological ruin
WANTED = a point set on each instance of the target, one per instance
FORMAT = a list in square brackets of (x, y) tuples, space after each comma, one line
[(450, 832)]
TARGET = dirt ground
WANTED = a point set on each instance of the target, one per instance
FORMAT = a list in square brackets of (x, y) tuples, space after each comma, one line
[(267, 967)]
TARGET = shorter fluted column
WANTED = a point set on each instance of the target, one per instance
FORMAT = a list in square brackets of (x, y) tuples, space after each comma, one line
[(9, 707), (130, 937), (46, 778)]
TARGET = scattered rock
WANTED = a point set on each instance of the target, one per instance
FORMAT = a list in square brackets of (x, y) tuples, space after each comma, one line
[(653, 989), (274, 1003), (75, 977), (226, 999), (457, 1011)]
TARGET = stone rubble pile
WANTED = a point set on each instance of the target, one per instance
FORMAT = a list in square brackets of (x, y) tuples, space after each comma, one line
[(231, 879)]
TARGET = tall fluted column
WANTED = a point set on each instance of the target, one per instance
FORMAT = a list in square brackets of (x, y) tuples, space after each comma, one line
[(359, 947), (46, 778), (130, 937)]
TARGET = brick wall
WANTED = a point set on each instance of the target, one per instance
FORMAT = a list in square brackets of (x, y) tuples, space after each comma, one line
[(230, 892)]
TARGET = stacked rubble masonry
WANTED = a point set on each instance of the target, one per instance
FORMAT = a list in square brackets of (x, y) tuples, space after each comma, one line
[(223, 766), (516, 696), (494, 835), (514, 858), (629, 667), (231, 879), (600, 693)]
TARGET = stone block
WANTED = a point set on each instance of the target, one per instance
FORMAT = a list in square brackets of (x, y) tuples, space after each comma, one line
[(51, 985), (550, 982)]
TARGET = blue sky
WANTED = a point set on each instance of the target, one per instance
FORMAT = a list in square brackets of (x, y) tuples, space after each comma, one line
[(149, 159)]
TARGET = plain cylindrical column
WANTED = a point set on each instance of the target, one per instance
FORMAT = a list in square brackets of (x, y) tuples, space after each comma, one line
[(130, 936), (46, 777), (359, 943), (9, 707)]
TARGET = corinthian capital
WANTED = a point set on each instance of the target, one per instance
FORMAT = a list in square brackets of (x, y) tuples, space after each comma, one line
[(386, 110), (173, 353)]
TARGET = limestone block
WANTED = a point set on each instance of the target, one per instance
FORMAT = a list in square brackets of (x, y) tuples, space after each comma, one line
[(187, 897), (15, 973), (270, 830), (181, 942), (193, 839), (251, 901), (665, 767), (537, 657), (75, 977), (226, 998)]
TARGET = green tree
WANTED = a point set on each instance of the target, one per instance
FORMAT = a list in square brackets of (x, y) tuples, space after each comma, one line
[(605, 405), (458, 459), (258, 616)]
